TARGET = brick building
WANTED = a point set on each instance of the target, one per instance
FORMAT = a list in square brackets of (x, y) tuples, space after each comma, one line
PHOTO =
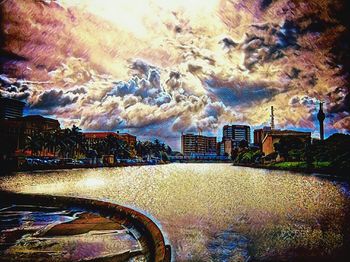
[(92, 137), (13, 132), (259, 135), (197, 144)]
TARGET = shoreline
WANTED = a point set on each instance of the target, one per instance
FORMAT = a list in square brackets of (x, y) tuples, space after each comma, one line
[(6, 171), (325, 172)]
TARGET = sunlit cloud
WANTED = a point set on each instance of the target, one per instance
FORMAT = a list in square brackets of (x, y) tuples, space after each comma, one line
[(183, 65)]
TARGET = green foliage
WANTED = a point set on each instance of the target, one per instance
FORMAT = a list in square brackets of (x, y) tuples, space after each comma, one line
[(248, 156), (164, 156), (71, 143), (302, 164), (34, 143), (335, 151), (288, 165), (243, 144), (332, 153), (296, 154), (156, 149), (290, 148), (325, 164)]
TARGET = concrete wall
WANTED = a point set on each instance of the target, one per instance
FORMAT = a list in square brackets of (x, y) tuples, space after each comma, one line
[(151, 235)]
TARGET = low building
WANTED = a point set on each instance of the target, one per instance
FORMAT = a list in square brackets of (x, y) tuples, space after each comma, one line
[(15, 131), (35, 123), (11, 137), (259, 135), (93, 137), (274, 136), (129, 139), (225, 148), (197, 144)]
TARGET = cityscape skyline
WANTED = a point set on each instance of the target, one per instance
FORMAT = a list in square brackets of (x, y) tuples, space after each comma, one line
[(176, 143)]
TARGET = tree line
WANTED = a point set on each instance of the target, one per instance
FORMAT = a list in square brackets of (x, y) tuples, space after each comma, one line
[(71, 143), (332, 153)]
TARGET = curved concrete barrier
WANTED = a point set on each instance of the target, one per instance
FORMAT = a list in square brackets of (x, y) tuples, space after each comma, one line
[(151, 237)]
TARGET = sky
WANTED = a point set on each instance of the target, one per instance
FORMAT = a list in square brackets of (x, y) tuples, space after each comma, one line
[(157, 68)]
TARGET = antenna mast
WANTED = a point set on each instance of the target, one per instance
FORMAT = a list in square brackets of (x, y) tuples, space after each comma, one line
[(272, 119)]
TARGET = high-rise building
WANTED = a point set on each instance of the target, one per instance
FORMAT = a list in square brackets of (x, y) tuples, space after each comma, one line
[(10, 108), (197, 144), (236, 133)]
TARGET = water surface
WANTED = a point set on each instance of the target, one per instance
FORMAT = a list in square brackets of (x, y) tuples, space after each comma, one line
[(217, 212)]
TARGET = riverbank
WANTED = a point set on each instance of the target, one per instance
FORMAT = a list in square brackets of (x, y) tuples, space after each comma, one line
[(5, 170), (327, 171)]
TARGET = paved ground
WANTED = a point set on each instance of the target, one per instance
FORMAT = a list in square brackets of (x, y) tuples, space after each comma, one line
[(37, 233)]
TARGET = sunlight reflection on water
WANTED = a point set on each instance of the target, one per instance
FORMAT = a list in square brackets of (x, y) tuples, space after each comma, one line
[(197, 204)]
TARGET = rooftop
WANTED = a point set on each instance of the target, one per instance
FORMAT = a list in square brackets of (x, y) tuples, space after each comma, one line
[(103, 134)]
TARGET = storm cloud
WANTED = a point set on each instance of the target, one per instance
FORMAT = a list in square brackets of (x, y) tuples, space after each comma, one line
[(54, 98)]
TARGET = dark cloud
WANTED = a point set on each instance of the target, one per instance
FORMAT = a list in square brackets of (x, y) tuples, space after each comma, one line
[(53, 98), (267, 42), (14, 92), (5, 81), (13, 88), (124, 88), (228, 43), (78, 90), (264, 4), (305, 100), (233, 93), (340, 100), (288, 35), (294, 73), (141, 68)]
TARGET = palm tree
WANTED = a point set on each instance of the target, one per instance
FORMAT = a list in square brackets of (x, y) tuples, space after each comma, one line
[(76, 138), (147, 149), (34, 143), (111, 144), (156, 146), (64, 142), (51, 141), (124, 149)]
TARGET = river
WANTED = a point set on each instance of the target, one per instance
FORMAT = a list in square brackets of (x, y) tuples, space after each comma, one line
[(217, 212)]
